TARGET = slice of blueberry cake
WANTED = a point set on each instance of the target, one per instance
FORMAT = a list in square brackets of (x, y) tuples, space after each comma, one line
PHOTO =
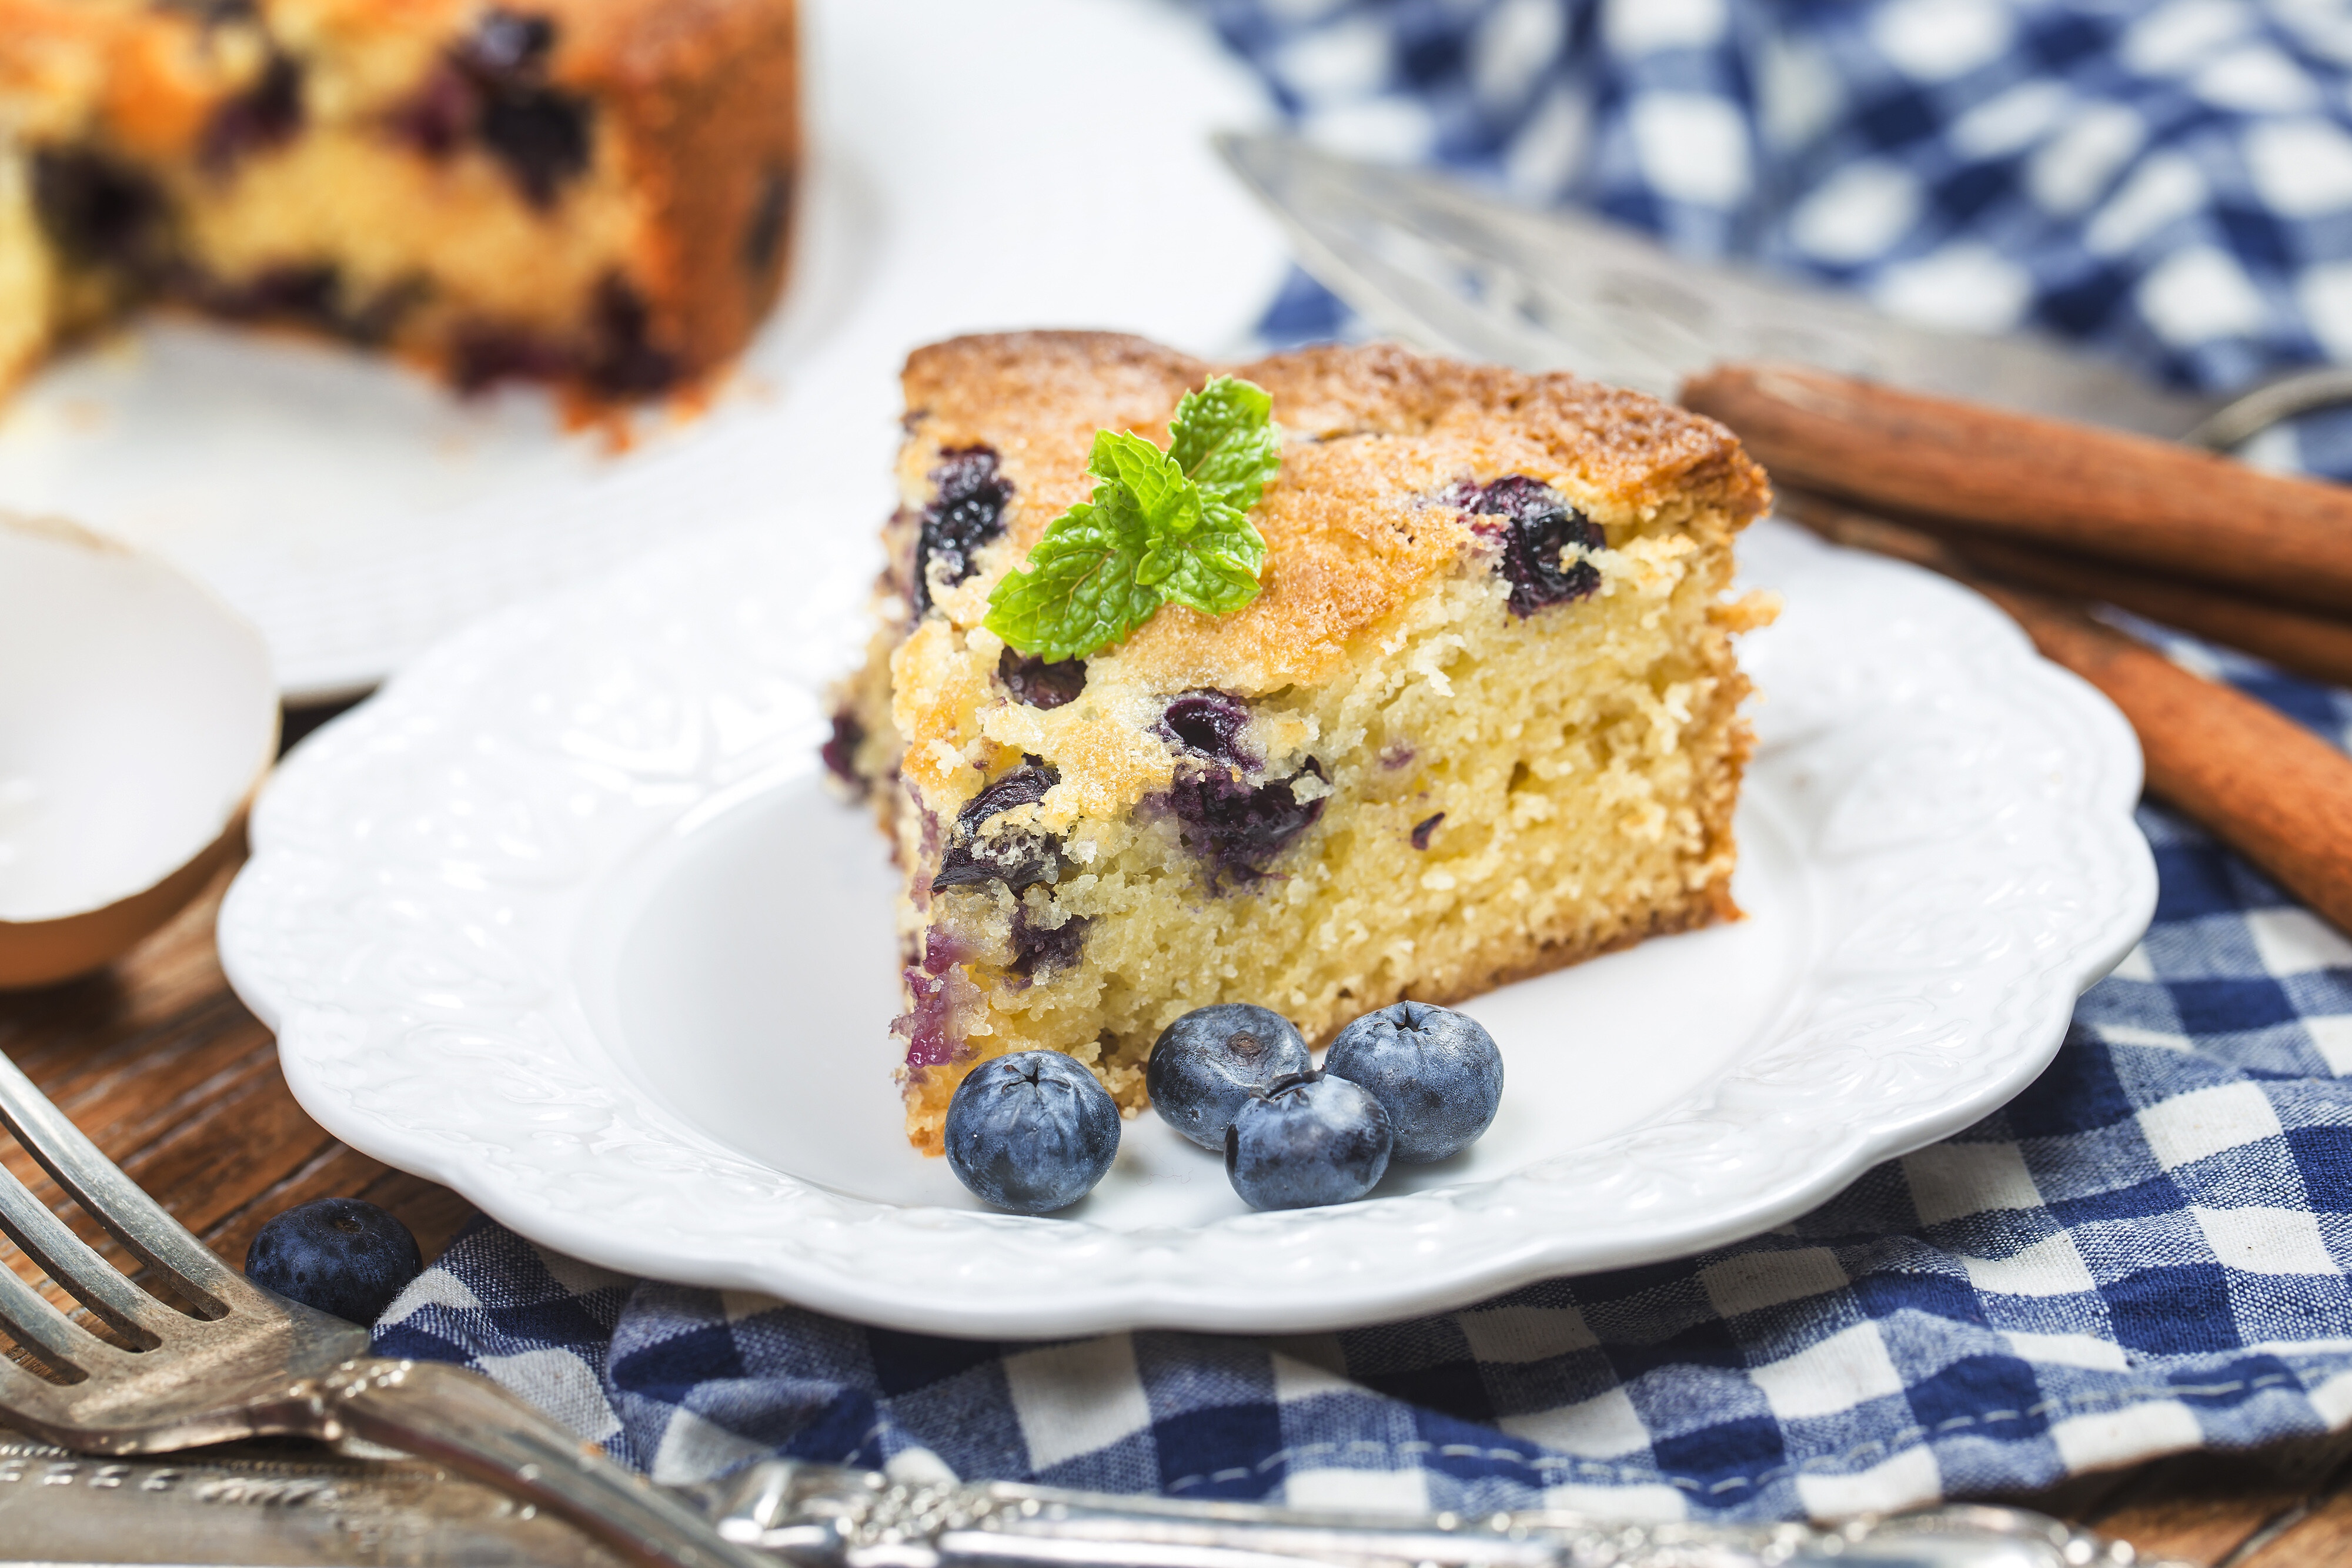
[(590, 193), (1481, 720)]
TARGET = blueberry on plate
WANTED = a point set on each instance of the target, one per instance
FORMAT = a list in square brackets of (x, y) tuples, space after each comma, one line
[(1206, 1065), (337, 1254), (1031, 1132), (1310, 1139), (1435, 1071)]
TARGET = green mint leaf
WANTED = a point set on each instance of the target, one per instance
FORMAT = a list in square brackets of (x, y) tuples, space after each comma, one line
[(1080, 593), (1211, 586), (1165, 499), (1214, 568), (1161, 527), (1223, 438)]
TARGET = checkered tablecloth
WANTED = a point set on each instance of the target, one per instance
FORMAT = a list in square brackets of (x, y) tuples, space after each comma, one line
[(2146, 1251)]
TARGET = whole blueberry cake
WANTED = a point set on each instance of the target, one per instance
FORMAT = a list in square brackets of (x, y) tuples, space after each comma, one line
[(1480, 720), (594, 194)]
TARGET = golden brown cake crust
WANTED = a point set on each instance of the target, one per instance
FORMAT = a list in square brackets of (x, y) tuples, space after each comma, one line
[(1049, 390), (1348, 543)]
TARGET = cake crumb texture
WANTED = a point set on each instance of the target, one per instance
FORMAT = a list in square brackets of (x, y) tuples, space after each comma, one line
[(595, 193), (1482, 722)]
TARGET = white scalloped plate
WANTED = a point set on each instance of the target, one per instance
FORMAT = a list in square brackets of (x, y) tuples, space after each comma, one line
[(564, 919), (357, 514)]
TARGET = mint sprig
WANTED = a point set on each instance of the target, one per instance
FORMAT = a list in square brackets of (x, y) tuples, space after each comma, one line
[(1161, 527)]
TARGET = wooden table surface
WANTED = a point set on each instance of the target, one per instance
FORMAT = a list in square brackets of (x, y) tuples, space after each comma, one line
[(161, 1065)]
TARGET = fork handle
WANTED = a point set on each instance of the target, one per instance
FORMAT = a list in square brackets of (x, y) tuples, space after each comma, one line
[(464, 1420)]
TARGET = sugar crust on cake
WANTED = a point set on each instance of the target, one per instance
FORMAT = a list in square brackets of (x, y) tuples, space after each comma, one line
[(1038, 397)]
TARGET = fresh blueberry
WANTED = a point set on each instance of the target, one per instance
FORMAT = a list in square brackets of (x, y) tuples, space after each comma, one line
[(1537, 525), (337, 1254), (1238, 828), (493, 87), (967, 512), (1206, 1065), (627, 363), (267, 114), (100, 212), (1032, 1132), (483, 355), (1016, 857), (839, 753), (1043, 950), (541, 136), (1209, 724), (1310, 1139), (1038, 683), (1434, 1071), (439, 116), (507, 46)]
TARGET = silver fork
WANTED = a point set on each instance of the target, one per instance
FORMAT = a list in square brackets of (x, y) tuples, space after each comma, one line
[(242, 1362)]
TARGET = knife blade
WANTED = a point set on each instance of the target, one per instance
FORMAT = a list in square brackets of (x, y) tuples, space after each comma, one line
[(297, 1510), (1425, 257)]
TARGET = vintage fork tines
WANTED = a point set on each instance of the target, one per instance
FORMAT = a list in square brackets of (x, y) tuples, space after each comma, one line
[(180, 1377), (191, 1382), (240, 1361)]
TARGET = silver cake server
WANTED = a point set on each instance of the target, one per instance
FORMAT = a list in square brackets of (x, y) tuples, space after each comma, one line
[(1454, 270), (279, 1512)]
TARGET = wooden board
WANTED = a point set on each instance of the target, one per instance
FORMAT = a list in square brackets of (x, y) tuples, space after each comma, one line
[(175, 1081)]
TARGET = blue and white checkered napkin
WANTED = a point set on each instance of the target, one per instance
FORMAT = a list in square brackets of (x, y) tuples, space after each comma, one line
[(2146, 1251)]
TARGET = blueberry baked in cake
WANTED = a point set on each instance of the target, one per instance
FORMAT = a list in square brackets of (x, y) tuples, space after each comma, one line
[(1461, 707), (594, 194)]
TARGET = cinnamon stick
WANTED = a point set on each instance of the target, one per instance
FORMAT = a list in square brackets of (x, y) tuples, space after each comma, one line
[(2075, 488), (2275, 791), (2319, 646)]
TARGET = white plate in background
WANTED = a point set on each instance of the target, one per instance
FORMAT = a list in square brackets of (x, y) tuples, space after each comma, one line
[(565, 920), (973, 167)]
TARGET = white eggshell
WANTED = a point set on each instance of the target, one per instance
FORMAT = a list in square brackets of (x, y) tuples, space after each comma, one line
[(137, 716)]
